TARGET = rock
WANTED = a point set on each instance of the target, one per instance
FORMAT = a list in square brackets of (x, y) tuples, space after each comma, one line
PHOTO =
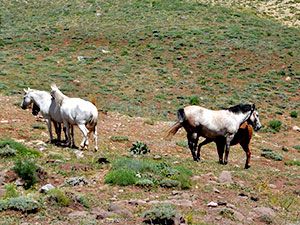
[(120, 209), (264, 214), (212, 204), (19, 182), (79, 154), (255, 199), (288, 78), (46, 188), (136, 202), (216, 190), (284, 148), (103, 160), (225, 177), (157, 157), (102, 214), (272, 186), (296, 128), (75, 181), (222, 203)]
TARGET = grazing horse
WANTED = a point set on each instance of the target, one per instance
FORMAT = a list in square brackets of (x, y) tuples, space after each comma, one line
[(42, 102), (220, 125), (76, 111)]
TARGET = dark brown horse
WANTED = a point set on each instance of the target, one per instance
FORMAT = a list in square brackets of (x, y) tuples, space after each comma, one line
[(242, 137)]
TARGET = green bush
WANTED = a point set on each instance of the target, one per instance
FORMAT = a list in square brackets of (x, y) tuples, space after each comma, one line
[(27, 170), (275, 125), (270, 154), (294, 114), (297, 147), (21, 203), (139, 148), (122, 177), (169, 183), (160, 214), (20, 148), (119, 138), (145, 183), (59, 197)]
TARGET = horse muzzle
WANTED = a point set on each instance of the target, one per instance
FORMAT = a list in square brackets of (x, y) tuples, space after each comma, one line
[(257, 128)]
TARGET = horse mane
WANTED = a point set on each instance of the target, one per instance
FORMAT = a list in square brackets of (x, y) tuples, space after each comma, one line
[(243, 108), (57, 95)]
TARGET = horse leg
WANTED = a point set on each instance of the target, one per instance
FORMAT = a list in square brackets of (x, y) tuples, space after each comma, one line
[(227, 147), (220, 147), (68, 135), (57, 127), (65, 132), (72, 137), (95, 134), (192, 141), (205, 142), (246, 148), (50, 129), (84, 130)]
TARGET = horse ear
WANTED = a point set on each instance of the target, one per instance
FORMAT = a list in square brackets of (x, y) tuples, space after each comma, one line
[(53, 86), (253, 106), (26, 91)]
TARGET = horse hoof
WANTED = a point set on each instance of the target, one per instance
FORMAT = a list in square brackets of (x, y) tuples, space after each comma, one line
[(247, 166), (221, 162), (225, 163)]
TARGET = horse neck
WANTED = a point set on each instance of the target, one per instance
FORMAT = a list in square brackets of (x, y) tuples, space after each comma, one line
[(59, 97), (42, 100), (242, 117)]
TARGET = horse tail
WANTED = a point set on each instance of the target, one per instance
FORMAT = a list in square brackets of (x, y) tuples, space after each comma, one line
[(173, 130)]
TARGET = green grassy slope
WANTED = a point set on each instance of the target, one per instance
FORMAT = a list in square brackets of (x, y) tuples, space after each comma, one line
[(149, 57)]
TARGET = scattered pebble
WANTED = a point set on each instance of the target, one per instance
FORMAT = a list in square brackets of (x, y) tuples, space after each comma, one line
[(212, 204)]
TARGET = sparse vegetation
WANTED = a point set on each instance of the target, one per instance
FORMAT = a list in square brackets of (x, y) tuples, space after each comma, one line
[(270, 154), (139, 148), (21, 149), (294, 114), (59, 196), (23, 204), (275, 125), (160, 214)]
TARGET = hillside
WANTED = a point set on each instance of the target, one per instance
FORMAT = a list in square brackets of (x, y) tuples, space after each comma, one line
[(141, 61)]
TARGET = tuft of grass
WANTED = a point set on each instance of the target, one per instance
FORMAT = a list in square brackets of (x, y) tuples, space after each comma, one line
[(294, 114), (119, 138), (10, 191), (275, 125), (122, 177), (297, 147), (270, 154), (59, 197), (21, 149), (7, 151), (139, 148), (294, 162)]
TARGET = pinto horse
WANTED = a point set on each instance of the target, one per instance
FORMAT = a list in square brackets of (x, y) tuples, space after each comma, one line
[(214, 125)]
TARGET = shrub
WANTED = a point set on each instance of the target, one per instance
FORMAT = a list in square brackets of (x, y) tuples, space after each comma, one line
[(122, 177), (84, 201), (145, 183), (183, 144), (297, 147), (3, 205), (7, 151), (275, 125), (59, 197), (23, 204), (269, 154), (139, 148), (119, 138), (27, 170), (160, 214), (294, 114), (20, 148), (168, 183)]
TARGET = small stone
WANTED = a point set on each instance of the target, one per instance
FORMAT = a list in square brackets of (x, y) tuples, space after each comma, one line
[(272, 186), (212, 204), (157, 157), (222, 203), (255, 199), (216, 190), (288, 78), (296, 128), (225, 177), (46, 188), (284, 148)]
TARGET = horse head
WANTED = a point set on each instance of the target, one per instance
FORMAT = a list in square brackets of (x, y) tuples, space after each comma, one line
[(254, 120), (27, 100)]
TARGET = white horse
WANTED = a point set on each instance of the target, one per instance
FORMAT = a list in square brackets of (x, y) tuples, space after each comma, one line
[(213, 124), (42, 101), (76, 111)]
